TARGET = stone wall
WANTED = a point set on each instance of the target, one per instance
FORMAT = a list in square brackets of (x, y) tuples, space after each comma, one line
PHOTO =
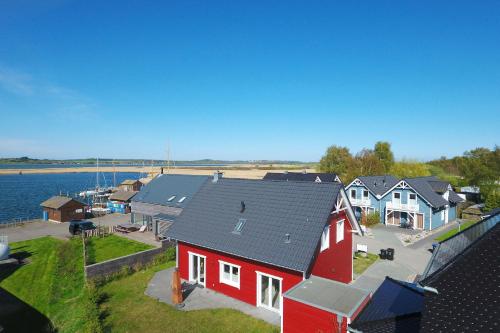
[(115, 265)]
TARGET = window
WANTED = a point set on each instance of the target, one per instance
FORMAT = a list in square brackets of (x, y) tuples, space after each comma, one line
[(171, 198), (397, 195), (239, 226), (325, 238), (442, 215), (412, 198), (340, 231), (229, 274), (181, 199), (365, 194), (353, 193)]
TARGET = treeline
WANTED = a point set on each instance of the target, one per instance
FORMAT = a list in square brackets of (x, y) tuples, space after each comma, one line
[(479, 167)]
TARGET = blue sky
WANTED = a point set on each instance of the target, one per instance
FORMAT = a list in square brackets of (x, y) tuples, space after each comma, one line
[(247, 79)]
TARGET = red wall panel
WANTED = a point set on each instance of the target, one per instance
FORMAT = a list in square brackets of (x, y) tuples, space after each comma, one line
[(248, 276), (335, 263), (302, 318)]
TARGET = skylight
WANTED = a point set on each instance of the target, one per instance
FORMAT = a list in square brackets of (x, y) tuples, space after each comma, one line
[(181, 199), (239, 226), (171, 198)]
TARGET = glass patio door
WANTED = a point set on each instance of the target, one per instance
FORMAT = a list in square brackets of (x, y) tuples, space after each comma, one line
[(269, 292), (197, 269)]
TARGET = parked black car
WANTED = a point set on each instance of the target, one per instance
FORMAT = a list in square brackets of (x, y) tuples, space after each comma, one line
[(76, 226)]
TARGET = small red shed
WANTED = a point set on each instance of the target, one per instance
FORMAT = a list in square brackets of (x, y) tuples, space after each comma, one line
[(63, 209), (321, 305)]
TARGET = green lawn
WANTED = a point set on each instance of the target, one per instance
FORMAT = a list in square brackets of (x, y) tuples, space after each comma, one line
[(49, 287), (452, 232), (110, 247), (127, 309), (360, 264)]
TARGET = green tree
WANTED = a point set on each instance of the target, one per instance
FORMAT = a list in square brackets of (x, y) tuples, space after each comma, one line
[(367, 163), (408, 169), (384, 153), (492, 200), (337, 160)]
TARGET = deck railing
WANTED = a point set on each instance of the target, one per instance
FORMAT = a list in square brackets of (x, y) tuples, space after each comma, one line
[(360, 202), (411, 207), (16, 222)]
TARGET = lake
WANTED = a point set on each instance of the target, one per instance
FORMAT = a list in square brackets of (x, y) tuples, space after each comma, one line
[(21, 195)]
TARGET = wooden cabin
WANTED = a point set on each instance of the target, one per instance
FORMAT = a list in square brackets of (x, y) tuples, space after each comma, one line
[(63, 209), (130, 185)]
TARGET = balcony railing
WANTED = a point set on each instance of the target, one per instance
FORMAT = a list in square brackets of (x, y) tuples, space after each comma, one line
[(360, 202), (411, 207)]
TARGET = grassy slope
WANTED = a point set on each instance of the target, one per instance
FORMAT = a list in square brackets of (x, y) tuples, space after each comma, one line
[(52, 282), (127, 309), (360, 264), (452, 232), (102, 249)]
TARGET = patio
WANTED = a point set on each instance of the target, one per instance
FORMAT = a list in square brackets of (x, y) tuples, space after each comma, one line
[(198, 298)]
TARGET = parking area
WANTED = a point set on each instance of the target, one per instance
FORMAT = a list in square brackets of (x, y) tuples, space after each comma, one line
[(39, 228), (409, 261)]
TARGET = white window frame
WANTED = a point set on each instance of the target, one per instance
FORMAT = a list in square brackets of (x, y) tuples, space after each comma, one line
[(230, 281), (340, 235), (190, 269), (259, 300), (410, 200), (355, 193), (325, 238), (394, 195), (442, 215), (367, 196)]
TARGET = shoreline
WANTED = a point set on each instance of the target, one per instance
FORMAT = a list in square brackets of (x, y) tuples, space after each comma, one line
[(240, 171)]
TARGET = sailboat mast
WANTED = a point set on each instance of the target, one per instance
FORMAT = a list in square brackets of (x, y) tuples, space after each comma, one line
[(97, 174)]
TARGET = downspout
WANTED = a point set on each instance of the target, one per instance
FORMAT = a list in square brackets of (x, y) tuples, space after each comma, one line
[(340, 319)]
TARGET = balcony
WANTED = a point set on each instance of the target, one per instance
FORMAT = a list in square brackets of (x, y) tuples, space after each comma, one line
[(360, 202), (408, 207)]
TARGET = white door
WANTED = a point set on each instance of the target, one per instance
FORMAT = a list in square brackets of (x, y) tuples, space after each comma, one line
[(396, 199), (269, 292), (197, 269), (446, 215)]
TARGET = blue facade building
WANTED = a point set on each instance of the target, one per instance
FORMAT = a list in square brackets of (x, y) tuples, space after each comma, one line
[(418, 203)]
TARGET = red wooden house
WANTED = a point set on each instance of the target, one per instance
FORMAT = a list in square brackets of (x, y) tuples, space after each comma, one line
[(253, 240)]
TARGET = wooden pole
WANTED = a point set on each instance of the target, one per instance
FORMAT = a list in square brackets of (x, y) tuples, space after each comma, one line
[(176, 288)]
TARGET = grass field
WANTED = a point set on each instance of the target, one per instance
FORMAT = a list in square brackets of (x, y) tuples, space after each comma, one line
[(110, 247), (127, 309), (463, 226), (360, 264), (50, 285)]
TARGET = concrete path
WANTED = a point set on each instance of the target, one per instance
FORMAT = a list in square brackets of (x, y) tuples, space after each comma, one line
[(409, 261), (198, 298)]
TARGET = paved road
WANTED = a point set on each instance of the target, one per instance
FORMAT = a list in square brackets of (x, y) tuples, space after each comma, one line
[(409, 261)]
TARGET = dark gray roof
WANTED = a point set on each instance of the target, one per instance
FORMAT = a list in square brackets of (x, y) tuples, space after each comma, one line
[(301, 176), (165, 186), (439, 186), (424, 188), (165, 217), (271, 210), (59, 201), (494, 211), (395, 307), (379, 184), (328, 295), (455, 198), (122, 195)]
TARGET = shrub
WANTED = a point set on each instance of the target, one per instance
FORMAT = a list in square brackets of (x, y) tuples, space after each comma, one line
[(373, 218), (170, 254)]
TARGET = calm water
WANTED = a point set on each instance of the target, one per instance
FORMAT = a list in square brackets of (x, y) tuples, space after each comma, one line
[(45, 166), (21, 195)]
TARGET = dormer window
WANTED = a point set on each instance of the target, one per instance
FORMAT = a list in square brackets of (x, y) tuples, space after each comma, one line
[(171, 198), (181, 200)]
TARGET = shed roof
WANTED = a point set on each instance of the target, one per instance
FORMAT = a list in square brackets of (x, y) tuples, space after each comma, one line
[(58, 201), (301, 176), (379, 184), (174, 187), (270, 210), (328, 295), (130, 182), (122, 195)]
